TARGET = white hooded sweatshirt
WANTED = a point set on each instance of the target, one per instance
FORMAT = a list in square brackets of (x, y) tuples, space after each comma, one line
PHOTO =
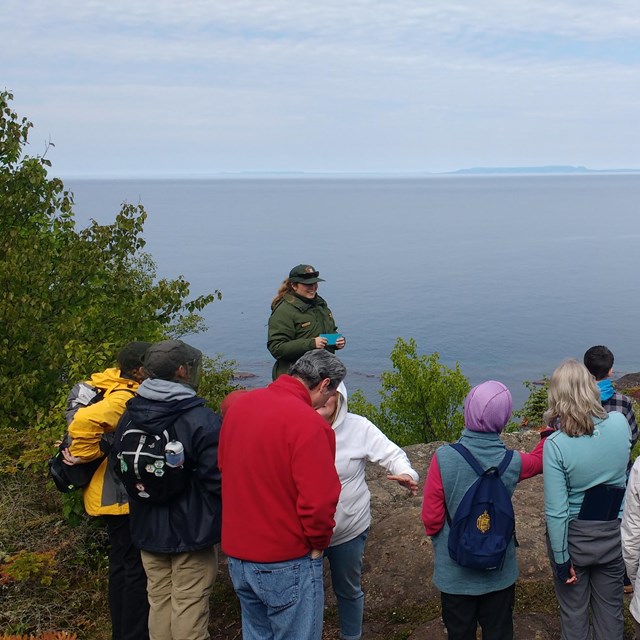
[(357, 441), (630, 534)]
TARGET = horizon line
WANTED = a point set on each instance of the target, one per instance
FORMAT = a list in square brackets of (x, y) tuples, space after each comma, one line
[(539, 170)]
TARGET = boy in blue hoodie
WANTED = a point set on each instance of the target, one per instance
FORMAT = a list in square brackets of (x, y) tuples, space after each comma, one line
[(599, 361)]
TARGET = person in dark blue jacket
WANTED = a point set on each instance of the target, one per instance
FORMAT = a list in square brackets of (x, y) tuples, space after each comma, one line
[(178, 539)]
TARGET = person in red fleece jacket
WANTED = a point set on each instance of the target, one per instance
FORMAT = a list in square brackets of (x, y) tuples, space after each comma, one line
[(279, 494)]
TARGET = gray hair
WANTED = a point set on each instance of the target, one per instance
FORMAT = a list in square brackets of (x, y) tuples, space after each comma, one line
[(316, 365)]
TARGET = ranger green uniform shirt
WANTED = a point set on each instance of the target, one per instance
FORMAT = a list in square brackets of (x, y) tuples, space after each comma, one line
[(293, 325)]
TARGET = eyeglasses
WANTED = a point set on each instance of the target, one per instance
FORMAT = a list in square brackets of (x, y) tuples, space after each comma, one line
[(307, 276)]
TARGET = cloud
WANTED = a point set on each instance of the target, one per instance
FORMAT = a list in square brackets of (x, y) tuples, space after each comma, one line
[(328, 84)]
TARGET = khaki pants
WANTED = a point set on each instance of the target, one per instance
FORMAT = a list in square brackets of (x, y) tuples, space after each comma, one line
[(179, 586)]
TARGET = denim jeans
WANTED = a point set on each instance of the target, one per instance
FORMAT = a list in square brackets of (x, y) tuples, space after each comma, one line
[(345, 561), (279, 600)]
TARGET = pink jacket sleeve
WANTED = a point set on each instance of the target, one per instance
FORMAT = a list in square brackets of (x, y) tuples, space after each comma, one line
[(531, 462), (433, 510)]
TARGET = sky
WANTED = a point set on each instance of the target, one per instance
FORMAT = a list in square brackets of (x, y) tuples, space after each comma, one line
[(201, 87)]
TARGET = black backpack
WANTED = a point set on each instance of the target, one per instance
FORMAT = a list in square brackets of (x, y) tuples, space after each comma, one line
[(484, 522), (66, 477), (143, 468)]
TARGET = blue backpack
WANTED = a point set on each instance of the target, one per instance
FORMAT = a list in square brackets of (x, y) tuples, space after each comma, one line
[(484, 523)]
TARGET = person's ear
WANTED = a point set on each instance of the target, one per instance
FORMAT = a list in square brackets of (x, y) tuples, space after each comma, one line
[(139, 374), (182, 373)]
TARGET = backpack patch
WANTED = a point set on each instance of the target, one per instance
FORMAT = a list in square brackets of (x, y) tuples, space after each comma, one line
[(484, 522), (147, 469)]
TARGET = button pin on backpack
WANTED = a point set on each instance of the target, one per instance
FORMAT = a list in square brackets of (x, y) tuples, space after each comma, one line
[(141, 492), (483, 522)]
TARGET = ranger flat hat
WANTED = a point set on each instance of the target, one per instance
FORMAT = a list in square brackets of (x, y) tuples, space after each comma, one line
[(305, 274)]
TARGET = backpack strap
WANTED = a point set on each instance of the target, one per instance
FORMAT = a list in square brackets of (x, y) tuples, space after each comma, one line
[(111, 390), (506, 461), (475, 465)]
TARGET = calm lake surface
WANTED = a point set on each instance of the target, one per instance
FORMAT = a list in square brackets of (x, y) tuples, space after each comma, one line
[(507, 275)]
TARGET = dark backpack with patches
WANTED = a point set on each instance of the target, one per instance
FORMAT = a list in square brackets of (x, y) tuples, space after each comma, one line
[(484, 523), (66, 477), (143, 467)]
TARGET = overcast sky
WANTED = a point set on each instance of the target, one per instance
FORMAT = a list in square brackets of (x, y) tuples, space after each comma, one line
[(196, 87)]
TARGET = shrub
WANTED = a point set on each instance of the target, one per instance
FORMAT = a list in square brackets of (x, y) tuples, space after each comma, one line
[(27, 565), (421, 398), (531, 414)]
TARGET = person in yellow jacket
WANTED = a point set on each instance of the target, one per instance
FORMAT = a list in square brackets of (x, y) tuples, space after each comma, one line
[(105, 496)]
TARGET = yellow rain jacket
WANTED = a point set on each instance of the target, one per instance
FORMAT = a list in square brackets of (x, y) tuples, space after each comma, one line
[(105, 494)]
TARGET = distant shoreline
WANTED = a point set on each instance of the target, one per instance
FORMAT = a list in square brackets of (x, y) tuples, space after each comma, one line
[(547, 171)]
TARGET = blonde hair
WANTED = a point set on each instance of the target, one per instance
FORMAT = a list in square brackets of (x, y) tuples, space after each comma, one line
[(283, 289), (574, 399)]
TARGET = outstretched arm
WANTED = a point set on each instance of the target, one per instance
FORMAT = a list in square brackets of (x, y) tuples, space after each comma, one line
[(405, 480), (532, 462), (433, 506)]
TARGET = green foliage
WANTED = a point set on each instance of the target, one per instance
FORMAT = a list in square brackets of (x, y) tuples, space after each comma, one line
[(420, 398), (531, 414), (27, 565), (73, 508), (217, 380), (69, 297)]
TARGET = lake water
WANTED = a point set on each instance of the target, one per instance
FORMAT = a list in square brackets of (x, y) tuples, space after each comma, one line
[(507, 275)]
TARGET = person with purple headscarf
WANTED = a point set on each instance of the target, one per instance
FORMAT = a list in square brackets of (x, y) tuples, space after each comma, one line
[(474, 596)]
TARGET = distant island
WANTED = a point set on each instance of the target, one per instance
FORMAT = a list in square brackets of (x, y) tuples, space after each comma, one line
[(546, 170)]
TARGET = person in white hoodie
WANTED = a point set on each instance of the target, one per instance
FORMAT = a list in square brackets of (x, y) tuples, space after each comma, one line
[(630, 533), (358, 441)]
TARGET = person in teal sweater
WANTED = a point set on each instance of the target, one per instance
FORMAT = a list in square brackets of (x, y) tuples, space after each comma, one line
[(585, 463)]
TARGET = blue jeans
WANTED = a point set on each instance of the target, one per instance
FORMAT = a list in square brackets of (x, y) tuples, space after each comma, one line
[(279, 600), (345, 561)]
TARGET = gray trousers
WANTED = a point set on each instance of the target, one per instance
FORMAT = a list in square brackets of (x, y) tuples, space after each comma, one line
[(596, 555)]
